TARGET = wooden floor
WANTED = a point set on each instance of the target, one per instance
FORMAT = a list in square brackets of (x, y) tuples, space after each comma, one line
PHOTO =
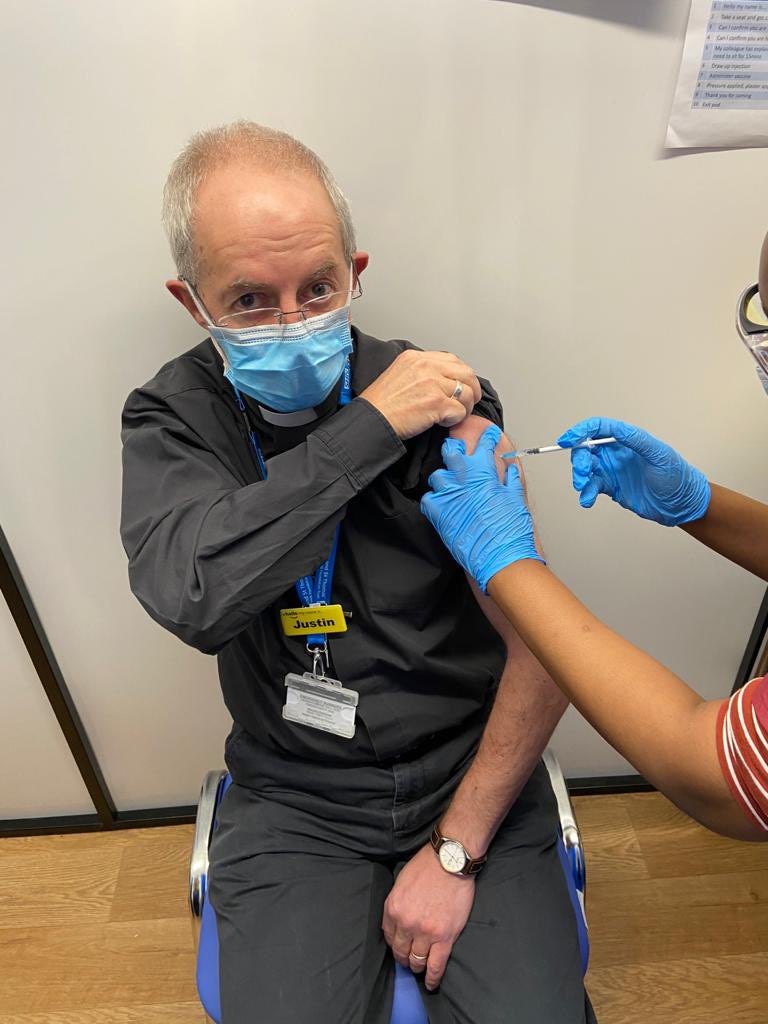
[(94, 929)]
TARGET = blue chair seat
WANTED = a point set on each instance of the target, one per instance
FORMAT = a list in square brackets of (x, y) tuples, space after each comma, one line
[(407, 1005)]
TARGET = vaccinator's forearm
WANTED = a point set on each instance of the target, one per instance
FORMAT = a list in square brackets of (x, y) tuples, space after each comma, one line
[(664, 728), (736, 527)]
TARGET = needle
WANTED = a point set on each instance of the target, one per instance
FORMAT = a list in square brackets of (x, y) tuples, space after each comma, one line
[(558, 448)]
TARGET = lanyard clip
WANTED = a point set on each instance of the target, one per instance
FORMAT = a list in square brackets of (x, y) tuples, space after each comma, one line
[(319, 659)]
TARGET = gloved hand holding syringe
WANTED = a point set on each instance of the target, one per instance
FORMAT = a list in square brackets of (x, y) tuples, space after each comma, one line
[(486, 524)]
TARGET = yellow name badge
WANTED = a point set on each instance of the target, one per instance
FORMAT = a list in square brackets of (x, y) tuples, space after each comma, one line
[(322, 618)]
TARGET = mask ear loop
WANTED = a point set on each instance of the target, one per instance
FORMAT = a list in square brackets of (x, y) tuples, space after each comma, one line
[(198, 303), (255, 449), (207, 317), (354, 281)]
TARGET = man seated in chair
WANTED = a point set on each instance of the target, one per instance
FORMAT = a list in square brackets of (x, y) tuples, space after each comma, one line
[(272, 478)]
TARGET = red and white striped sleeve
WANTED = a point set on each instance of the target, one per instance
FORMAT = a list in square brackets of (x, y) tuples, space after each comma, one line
[(742, 747)]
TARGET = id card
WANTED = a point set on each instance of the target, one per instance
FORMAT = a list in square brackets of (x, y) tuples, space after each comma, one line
[(320, 703), (318, 618)]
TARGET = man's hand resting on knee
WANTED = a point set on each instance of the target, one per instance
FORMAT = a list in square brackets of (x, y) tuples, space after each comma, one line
[(425, 913)]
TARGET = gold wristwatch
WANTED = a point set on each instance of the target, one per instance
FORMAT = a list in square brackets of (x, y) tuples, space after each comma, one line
[(453, 856)]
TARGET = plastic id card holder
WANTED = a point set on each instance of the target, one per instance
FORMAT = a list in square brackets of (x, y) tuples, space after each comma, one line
[(320, 703)]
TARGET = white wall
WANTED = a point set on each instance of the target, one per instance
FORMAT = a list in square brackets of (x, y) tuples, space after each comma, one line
[(504, 168), (38, 775)]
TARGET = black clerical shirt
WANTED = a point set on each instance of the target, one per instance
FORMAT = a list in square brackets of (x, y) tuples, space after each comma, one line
[(214, 553)]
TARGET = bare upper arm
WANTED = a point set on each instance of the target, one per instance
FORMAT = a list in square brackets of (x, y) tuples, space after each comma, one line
[(469, 431)]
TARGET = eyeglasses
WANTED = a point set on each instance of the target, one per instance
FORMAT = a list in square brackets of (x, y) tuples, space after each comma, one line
[(272, 316), (752, 325), (268, 316)]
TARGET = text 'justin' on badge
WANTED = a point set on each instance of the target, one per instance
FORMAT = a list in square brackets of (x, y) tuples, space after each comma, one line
[(326, 618)]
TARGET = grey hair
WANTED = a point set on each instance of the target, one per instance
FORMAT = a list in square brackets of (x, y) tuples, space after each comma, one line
[(267, 147)]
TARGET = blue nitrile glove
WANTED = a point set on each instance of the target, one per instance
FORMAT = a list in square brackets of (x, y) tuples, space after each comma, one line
[(640, 472), (484, 524)]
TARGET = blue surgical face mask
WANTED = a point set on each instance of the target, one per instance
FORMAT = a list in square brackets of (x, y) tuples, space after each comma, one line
[(286, 366)]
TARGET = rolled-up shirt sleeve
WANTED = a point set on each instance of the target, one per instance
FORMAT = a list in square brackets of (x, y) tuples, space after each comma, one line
[(207, 553)]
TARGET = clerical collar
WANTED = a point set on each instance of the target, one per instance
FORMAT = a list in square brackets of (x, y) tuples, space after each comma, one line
[(288, 419)]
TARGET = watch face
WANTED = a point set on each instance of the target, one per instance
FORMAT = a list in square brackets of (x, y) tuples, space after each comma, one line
[(452, 856)]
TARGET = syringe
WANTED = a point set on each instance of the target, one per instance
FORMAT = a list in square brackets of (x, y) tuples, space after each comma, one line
[(545, 449)]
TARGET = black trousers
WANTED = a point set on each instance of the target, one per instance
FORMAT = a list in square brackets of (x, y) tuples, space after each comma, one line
[(299, 876)]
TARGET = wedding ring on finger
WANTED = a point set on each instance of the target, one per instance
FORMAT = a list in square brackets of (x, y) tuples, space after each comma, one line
[(457, 390), (415, 956)]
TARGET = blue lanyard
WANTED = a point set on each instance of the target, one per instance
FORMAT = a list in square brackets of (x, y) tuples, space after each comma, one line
[(311, 589)]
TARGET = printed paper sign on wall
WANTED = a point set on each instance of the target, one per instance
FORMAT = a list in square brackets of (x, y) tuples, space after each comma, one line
[(722, 92)]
